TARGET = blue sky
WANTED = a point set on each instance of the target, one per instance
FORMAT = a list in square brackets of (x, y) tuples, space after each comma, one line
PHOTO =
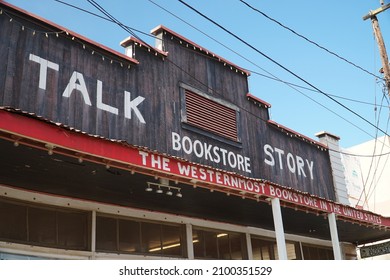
[(334, 24)]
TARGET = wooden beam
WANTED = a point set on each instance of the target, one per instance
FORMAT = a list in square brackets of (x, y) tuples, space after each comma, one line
[(377, 11), (381, 43), (382, 52)]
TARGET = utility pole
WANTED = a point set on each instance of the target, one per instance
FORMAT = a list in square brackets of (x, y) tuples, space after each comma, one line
[(381, 44)]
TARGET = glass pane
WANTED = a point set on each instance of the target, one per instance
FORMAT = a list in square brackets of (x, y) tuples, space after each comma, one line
[(42, 226), (217, 245), (291, 254), (223, 246), (330, 255), (198, 242), (317, 253), (73, 230), (210, 241), (306, 253), (324, 254), (236, 247), (106, 234), (13, 222), (172, 243), (314, 253), (9, 256), (129, 236), (263, 249), (298, 253), (151, 238)]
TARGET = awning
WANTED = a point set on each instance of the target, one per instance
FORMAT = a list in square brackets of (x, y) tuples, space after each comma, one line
[(42, 156)]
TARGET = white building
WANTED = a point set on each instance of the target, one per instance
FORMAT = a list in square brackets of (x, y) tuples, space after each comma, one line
[(367, 176)]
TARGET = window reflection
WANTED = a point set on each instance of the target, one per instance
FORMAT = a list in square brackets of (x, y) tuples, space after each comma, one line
[(311, 252), (210, 244), (139, 237), (44, 225), (266, 249)]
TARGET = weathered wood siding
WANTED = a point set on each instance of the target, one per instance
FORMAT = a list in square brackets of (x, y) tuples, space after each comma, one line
[(155, 84)]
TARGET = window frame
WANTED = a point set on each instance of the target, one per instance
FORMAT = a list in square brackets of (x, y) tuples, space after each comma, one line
[(142, 251), (210, 234), (204, 131), (317, 252), (54, 210)]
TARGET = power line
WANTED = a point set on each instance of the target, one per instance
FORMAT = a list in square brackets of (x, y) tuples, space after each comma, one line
[(369, 192), (124, 27), (293, 86), (313, 90), (271, 76), (360, 155), (370, 168), (279, 80), (102, 10), (177, 66), (101, 17), (310, 41), (281, 66), (127, 29), (222, 44)]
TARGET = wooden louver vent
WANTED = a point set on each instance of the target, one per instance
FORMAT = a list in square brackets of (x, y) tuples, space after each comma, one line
[(212, 116)]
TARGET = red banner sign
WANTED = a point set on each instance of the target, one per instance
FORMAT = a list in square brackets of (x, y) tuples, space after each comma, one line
[(109, 150)]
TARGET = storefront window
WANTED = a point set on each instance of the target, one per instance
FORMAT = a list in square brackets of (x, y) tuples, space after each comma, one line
[(218, 245), (266, 249), (129, 236), (311, 252), (263, 249), (13, 222), (139, 237), (73, 229), (106, 237), (44, 226), (293, 251), (151, 238), (172, 241), (237, 247)]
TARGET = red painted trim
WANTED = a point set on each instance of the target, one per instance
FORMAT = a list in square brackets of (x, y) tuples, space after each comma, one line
[(45, 132), (256, 99), (279, 126), (49, 133), (71, 33), (162, 28)]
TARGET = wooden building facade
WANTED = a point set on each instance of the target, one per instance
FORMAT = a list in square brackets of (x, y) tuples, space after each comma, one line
[(158, 152)]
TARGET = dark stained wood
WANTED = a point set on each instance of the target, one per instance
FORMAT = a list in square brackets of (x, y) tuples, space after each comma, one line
[(158, 81)]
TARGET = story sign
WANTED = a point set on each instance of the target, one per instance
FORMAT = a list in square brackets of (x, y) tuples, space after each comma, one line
[(273, 156)]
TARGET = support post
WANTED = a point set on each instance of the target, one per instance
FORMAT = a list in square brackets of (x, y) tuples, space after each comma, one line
[(190, 243), (249, 246), (279, 230), (334, 236), (93, 234)]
